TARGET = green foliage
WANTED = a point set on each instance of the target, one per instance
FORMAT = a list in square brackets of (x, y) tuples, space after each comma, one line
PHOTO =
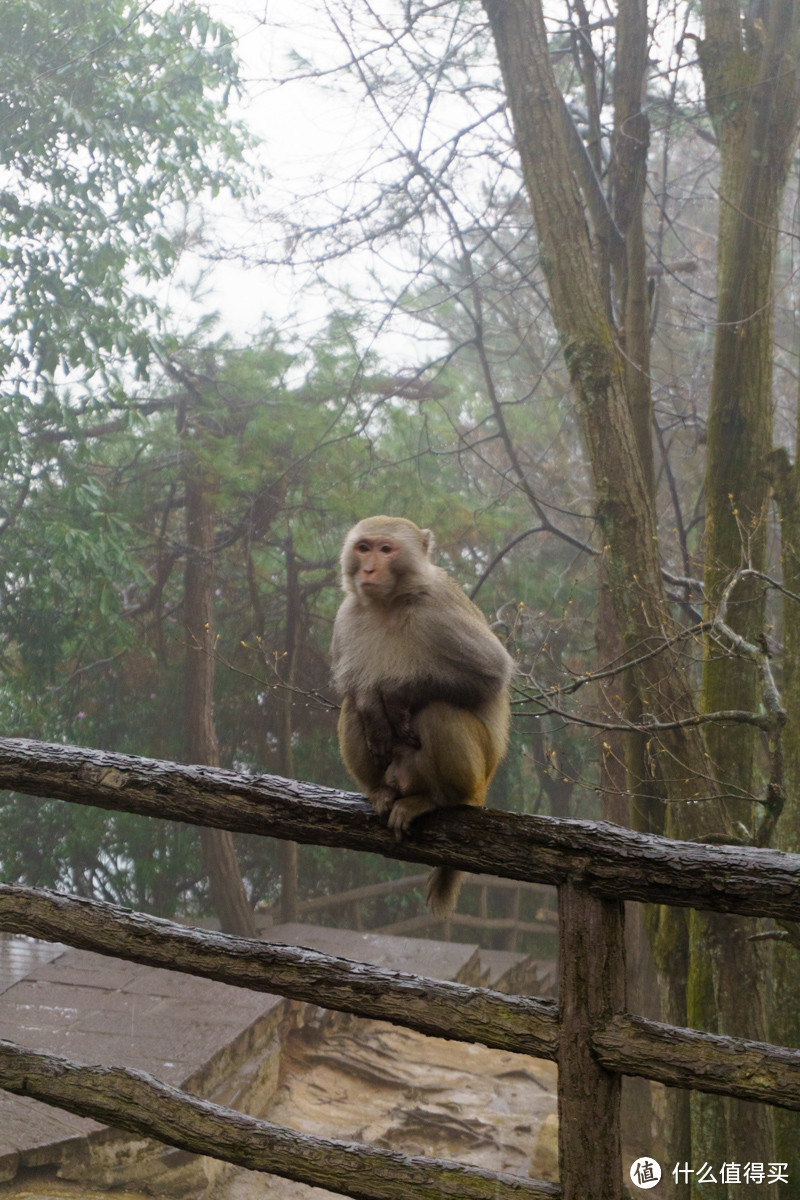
[(93, 591), (126, 860), (117, 123), (113, 121)]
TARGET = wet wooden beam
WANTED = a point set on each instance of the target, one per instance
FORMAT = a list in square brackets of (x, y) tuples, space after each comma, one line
[(138, 1103), (608, 860)]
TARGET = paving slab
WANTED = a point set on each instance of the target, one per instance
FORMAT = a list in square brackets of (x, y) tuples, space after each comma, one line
[(437, 960), (499, 964), (96, 1009), (18, 956)]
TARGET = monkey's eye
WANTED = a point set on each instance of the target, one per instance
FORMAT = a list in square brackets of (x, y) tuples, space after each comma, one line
[(363, 547), (387, 548)]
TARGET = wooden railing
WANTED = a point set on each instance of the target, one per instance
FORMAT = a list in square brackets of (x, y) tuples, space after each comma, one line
[(512, 930), (590, 1034)]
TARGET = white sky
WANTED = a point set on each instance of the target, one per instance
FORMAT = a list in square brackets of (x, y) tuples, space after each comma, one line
[(312, 138), (321, 141)]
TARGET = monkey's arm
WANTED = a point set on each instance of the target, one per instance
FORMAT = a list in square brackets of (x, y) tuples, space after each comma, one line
[(462, 689), (465, 665), (386, 720)]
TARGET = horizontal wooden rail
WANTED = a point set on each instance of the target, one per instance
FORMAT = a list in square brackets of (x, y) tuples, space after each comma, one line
[(134, 1101), (437, 1007), (510, 885), (591, 1036), (704, 1062), (627, 1044), (608, 860), (370, 891), (503, 924), (407, 883)]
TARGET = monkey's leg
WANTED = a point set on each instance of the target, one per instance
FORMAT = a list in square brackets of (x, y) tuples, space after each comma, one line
[(359, 761), (453, 765), (444, 883)]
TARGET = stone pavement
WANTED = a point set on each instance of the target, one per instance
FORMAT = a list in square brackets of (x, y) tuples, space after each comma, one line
[(94, 1009)]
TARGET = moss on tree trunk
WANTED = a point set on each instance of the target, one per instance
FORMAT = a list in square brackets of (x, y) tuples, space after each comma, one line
[(751, 88)]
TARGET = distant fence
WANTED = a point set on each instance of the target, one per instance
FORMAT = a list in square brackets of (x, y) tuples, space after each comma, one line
[(511, 929), (590, 1034)]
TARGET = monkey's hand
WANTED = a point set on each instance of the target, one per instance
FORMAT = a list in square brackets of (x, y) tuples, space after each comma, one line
[(382, 798), (405, 810), (399, 715), (378, 733)]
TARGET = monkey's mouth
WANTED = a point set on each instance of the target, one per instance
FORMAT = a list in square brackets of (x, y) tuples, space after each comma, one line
[(373, 589)]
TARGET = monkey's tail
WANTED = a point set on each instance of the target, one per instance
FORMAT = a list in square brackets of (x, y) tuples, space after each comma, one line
[(444, 884)]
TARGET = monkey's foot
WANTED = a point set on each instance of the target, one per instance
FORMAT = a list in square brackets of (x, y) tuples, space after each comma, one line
[(405, 810), (382, 800)]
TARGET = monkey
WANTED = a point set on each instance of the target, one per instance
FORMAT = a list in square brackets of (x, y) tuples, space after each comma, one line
[(423, 680)]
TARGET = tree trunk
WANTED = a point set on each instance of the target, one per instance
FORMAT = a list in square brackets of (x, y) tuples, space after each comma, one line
[(624, 503), (756, 125), (611, 400), (629, 181), (785, 1021), (752, 95), (200, 739), (288, 850)]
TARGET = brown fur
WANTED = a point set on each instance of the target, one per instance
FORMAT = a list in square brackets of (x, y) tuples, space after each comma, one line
[(424, 681)]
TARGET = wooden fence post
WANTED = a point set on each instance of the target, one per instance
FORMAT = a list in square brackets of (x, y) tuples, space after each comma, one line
[(591, 963)]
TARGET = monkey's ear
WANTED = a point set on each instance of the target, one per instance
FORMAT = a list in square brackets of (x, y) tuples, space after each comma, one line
[(428, 542)]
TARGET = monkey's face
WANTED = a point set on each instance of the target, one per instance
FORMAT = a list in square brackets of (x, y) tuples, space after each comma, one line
[(374, 566), (385, 558)]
